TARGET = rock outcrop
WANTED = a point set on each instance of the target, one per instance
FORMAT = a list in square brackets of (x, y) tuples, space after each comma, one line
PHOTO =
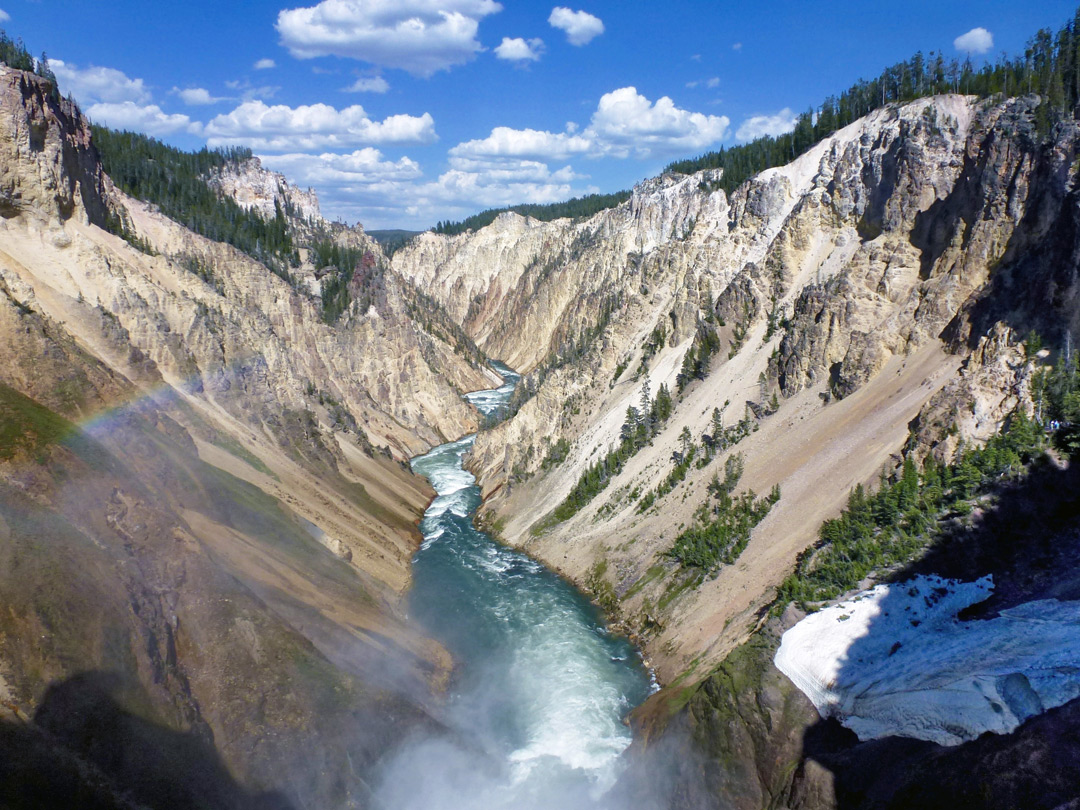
[(258, 189)]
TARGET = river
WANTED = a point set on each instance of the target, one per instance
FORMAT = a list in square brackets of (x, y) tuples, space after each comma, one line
[(541, 687)]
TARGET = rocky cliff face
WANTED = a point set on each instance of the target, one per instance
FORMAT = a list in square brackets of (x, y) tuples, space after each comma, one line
[(854, 285), (267, 192), (205, 521), (868, 296)]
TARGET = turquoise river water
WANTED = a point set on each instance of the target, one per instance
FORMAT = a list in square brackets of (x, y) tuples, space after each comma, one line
[(541, 686)]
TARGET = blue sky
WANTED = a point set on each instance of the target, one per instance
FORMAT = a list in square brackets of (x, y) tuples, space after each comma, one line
[(404, 112)]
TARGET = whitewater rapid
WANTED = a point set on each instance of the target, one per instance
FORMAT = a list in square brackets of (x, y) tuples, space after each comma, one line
[(541, 688)]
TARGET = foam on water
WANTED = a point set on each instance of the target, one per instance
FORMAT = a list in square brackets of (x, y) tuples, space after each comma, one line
[(540, 687)]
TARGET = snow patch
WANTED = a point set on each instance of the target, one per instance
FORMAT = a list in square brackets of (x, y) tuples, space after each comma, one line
[(895, 660)]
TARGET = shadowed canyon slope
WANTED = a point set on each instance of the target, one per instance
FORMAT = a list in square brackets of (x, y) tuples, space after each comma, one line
[(202, 494)]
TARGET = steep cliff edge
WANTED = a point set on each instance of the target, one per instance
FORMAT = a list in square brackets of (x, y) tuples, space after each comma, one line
[(204, 545), (868, 299), (846, 300)]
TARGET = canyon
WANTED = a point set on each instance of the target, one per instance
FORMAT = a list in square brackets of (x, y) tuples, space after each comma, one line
[(208, 522)]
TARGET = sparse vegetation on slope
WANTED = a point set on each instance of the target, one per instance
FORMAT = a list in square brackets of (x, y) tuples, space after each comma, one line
[(894, 524), (695, 364), (724, 524), (637, 431)]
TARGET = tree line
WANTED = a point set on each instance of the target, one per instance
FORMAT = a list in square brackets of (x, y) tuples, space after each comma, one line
[(1049, 68), (890, 526), (15, 54), (576, 208), (175, 182)]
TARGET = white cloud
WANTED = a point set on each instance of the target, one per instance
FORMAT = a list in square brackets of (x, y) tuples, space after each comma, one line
[(581, 27), (478, 184), (4, 16), (93, 85), (712, 83), (365, 186), (368, 84), (977, 40), (149, 118), (418, 36), (363, 166), (512, 170), (625, 121), (519, 50), (317, 126), (249, 92), (507, 142), (195, 96), (759, 125), (265, 64), (737, 46)]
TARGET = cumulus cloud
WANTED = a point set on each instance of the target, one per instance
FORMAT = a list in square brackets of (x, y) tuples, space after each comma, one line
[(519, 50), (280, 128), (265, 64), (737, 46), (93, 85), (626, 121), (4, 16), (367, 187), (149, 118), (501, 183), (362, 166), (507, 142), (759, 125), (196, 96), (368, 84), (977, 40), (581, 27), (418, 36)]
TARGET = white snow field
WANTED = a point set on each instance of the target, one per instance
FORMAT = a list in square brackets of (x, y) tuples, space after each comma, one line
[(895, 660)]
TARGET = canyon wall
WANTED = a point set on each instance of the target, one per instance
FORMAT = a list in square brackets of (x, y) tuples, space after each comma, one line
[(206, 518), (850, 292), (869, 298)]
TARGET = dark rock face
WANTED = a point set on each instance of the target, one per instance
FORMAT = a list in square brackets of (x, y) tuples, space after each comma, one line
[(87, 749), (739, 734)]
